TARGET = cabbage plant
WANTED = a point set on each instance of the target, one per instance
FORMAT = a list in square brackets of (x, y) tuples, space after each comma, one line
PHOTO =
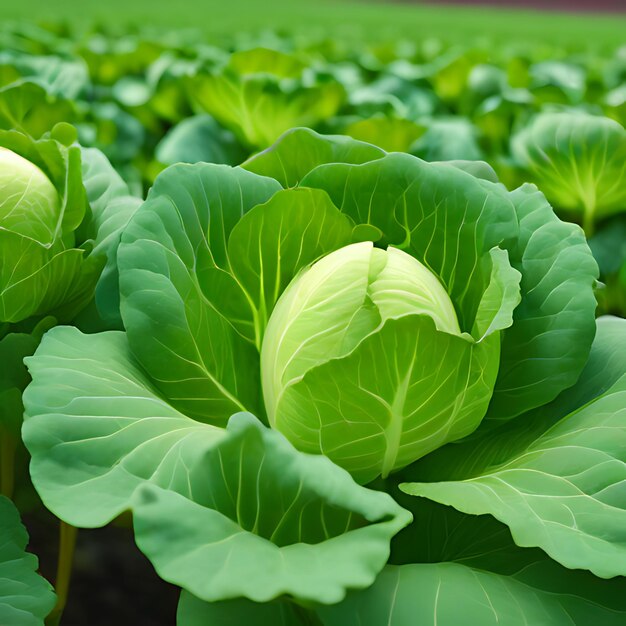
[(62, 209), (578, 160), (352, 388), (260, 93)]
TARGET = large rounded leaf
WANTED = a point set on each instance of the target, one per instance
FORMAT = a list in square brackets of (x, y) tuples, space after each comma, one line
[(555, 475), (97, 429), (174, 275), (29, 107), (261, 520), (547, 345), (260, 93), (457, 568), (216, 510)]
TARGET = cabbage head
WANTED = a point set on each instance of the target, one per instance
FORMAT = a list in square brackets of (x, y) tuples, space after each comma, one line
[(42, 268), (382, 331), (58, 223)]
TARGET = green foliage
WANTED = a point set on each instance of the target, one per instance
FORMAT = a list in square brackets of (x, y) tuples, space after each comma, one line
[(356, 379), (25, 597), (261, 93), (239, 296), (577, 160)]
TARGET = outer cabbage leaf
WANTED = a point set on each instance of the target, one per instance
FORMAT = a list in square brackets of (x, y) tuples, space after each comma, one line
[(87, 469), (111, 206), (28, 107), (174, 273), (478, 169), (300, 150), (554, 475), (201, 271), (274, 240), (447, 594), (450, 221), (196, 491), (442, 216), (25, 597), (458, 568), (58, 75), (255, 505), (547, 346)]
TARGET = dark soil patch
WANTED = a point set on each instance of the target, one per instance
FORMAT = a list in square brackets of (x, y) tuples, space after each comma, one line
[(112, 582)]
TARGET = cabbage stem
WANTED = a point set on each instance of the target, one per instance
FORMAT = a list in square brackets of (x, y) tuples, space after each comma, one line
[(67, 543), (7, 463)]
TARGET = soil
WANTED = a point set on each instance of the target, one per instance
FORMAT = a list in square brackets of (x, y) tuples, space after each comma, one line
[(113, 584)]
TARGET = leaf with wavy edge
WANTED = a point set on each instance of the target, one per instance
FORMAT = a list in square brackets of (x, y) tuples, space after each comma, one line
[(112, 206), (174, 274), (103, 441), (450, 220), (97, 429), (248, 96), (554, 478), (299, 150), (25, 597), (444, 217), (481, 549), (545, 349), (274, 240), (256, 505), (27, 106)]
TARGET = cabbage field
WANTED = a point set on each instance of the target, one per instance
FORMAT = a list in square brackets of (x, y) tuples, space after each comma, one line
[(313, 327)]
